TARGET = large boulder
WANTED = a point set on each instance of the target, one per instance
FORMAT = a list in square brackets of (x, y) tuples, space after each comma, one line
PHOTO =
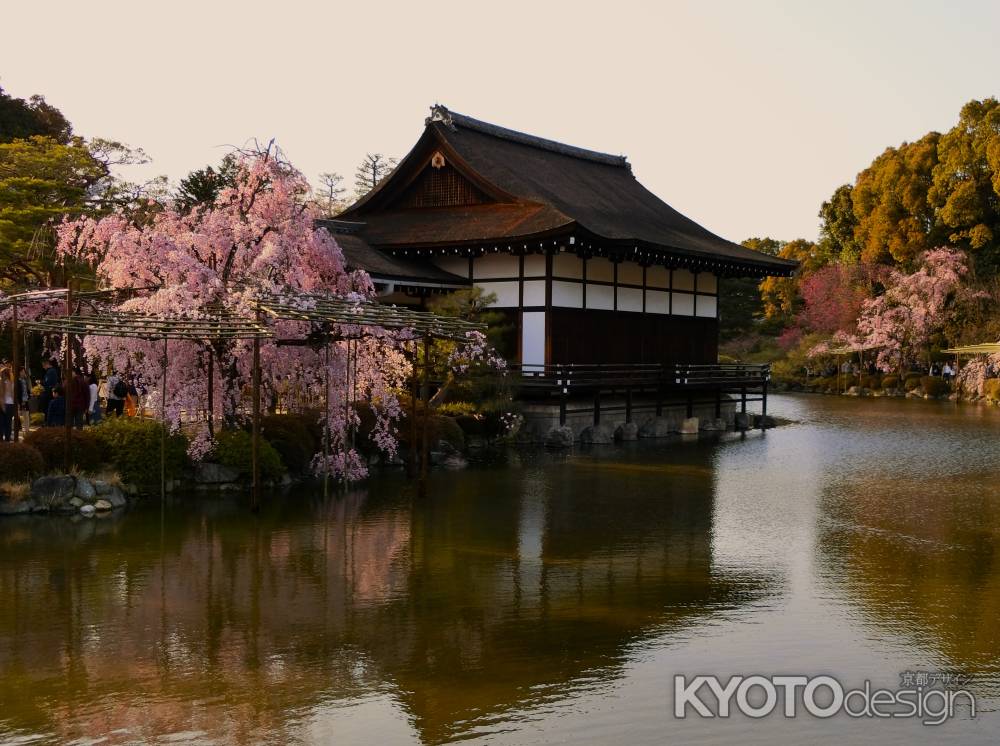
[(88, 510), (446, 455), (101, 487), (600, 434), (657, 427), (84, 489), (559, 437), (627, 431), (16, 507), (209, 473), (116, 497), (102, 505), (714, 425), (53, 492), (742, 421), (689, 426)]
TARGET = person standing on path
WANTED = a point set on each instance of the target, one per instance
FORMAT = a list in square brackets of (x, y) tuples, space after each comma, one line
[(6, 404), (117, 391)]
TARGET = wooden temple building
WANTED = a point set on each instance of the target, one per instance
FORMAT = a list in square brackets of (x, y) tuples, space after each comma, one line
[(590, 265)]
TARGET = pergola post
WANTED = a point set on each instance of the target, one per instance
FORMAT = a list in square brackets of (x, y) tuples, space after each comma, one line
[(412, 466), (255, 442), (15, 374), (163, 427), (68, 378), (425, 400), (326, 423)]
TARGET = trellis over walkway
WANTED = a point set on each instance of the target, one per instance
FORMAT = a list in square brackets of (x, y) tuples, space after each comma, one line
[(329, 313)]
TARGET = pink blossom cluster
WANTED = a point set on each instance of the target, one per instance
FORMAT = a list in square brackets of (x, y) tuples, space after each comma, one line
[(259, 237)]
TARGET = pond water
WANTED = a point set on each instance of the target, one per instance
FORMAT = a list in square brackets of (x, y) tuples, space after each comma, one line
[(546, 599)]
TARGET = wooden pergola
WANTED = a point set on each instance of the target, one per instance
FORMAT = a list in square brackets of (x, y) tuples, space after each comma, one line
[(338, 319), (329, 311)]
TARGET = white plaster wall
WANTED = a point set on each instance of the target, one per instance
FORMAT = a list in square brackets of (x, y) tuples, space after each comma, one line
[(707, 306), (683, 304), (601, 297), (629, 273), (458, 265), (533, 338), (506, 292), (629, 299), (534, 292), (567, 265), (600, 268), (683, 280), (657, 277), (567, 294), (657, 301), (495, 265), (534, 265)]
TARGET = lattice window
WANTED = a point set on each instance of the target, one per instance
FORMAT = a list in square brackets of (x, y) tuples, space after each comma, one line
[(442, 187)]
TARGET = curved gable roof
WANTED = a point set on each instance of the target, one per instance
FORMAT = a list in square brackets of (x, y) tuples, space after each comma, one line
[(540, 186)]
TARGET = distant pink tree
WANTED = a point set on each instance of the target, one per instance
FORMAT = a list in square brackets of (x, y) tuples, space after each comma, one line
[(901, 321), (258, 237), (832, 298)]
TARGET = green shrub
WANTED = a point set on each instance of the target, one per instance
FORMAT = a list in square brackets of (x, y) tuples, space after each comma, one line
[(871, 382), (132, 445), (292, 436), (438, 428), (890, 382), (19, 462), (37, 419), (233, 448), (911, 383), (86, 451), (933, 386), (991, 388)]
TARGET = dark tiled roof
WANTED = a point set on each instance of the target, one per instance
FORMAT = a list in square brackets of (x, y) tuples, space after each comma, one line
[(359, 254), (543, 187)]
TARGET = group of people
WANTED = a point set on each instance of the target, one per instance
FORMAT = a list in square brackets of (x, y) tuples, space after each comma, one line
[(84, 401)]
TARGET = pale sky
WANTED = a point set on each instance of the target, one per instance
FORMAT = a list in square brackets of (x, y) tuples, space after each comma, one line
[(743, 115)]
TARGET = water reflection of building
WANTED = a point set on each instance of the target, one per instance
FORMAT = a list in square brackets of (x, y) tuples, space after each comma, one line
[(499, 590)]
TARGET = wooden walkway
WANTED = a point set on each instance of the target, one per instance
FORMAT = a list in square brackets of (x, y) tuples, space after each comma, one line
[(693, 384)]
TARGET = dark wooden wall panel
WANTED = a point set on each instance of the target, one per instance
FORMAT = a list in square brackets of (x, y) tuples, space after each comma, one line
[(588, 336)]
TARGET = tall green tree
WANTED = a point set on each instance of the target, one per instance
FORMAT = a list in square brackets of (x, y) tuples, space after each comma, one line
[(202, 186), (966, 182), (896, 222), (41, 180), (20, 119), (373, 168), (838, 226)]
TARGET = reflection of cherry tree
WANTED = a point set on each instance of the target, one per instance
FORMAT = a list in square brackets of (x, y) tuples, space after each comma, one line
[(258, 237), (902, 320)]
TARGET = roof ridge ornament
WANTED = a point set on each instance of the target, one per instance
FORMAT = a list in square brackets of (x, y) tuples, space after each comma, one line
[(440, 113)]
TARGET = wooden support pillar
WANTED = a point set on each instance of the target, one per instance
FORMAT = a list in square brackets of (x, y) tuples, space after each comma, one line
[(690, 406), (68, 379), (411, 467), (326, 423), (211, 391), (163, 430), (255, 441), (718, 403), (597, 407), (743, 399), (15, 375), (563, 396), (425, 400), (763, 405), (628, 404)]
